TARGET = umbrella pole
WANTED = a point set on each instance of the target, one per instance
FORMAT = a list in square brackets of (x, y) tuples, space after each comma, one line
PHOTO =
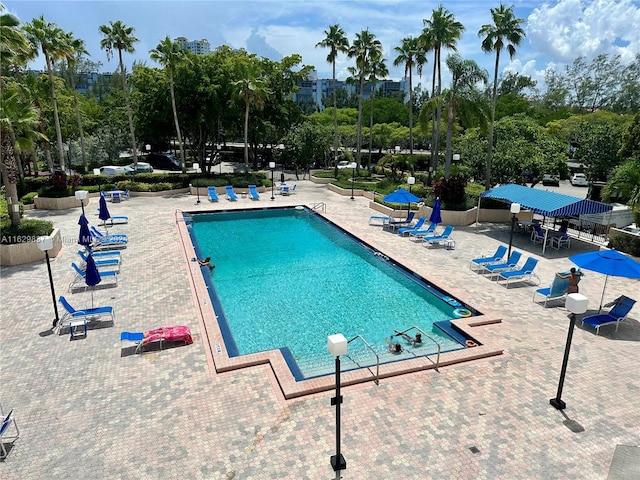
[(603, 290)]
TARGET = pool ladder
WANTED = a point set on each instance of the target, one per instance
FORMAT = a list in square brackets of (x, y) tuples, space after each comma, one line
[(319, 206), (376, 376), (425, 334)]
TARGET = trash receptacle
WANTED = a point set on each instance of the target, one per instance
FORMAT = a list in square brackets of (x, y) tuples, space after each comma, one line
[(282, 178)]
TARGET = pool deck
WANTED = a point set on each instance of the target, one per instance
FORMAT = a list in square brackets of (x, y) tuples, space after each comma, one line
[(90, 409)]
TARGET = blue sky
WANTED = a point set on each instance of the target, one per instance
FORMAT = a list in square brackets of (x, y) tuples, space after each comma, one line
[(558, 31)]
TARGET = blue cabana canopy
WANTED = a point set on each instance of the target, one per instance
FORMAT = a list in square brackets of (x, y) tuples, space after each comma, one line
[(545, 203)]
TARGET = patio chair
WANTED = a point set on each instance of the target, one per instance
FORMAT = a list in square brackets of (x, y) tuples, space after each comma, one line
[(617, 314), (537, 235), (253, 193), (6, 435), (429, 240), (137, 337), (104, 253), (81, 275), (524, 274), (285, 190), (125, 194), (87, 313), (213, 195), (115, 219), (556, 291), (115, 197), (496, 268), (407, 230), (561, 241), (230, 194), (417, 235), (393, 224), (477, 263), (382, 219), (112, 262)]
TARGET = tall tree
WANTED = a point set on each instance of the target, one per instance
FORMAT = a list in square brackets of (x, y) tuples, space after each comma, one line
[(50, 39), (72, 49), (377, 70), (168, 54), (410, 54), (120, 37), (364, 47), (35, 88), (442, 30), (465, 75), (337, 42), (504, 32)]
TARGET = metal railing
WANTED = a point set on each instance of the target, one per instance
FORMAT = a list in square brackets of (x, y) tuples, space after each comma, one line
[(414, 327), (319, 206), (376, 375)]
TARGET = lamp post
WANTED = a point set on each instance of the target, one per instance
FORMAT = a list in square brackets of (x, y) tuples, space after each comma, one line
[(219, 148), (196, 167), (272, 166), (337, 345), (353, 166), (411, 181), (81, 195), (147, 147), (515, 209), (456, 157), (45, 244), (576, 303)]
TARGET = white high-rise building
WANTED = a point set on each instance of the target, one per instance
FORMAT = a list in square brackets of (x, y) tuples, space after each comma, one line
[(199, 47)]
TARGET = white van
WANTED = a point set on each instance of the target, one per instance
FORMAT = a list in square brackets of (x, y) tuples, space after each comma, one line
[(112, 170)]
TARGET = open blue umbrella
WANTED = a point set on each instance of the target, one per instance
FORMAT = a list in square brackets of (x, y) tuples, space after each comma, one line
[(92, 276), (401, 196), (608, 262), (85, 236), (103, 214), (435, 217)]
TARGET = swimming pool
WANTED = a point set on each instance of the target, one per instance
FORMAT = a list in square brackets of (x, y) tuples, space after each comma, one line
[(287, 278)]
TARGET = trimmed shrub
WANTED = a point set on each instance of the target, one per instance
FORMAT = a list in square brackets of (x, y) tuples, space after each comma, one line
[(28, 230)]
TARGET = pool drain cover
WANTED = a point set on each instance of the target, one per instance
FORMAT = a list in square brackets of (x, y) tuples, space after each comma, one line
[(474, 449)]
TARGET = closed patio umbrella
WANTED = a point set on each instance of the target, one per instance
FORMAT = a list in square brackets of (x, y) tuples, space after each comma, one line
[(608, 262), (92, 276), (84, 238), (104, 211), (435, 217)]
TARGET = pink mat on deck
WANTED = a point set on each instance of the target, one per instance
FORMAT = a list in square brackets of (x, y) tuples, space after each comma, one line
[(179, 333)]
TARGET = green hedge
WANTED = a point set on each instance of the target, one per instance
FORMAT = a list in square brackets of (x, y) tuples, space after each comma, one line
[(626, 243), (28, 230)]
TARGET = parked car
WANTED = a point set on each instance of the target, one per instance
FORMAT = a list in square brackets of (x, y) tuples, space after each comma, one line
[(111, 170), (163, 161), (549, 179), (633, 229), (214, 158), (579, 180), (141, 167), (344, 164)]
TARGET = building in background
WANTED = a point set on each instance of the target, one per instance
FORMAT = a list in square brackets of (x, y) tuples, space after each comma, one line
[(199, 47)]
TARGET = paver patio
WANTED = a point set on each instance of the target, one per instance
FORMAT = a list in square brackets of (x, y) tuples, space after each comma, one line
[(87, 409)]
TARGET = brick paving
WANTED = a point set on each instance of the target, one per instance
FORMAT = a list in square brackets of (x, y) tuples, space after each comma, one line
[(89, 409)]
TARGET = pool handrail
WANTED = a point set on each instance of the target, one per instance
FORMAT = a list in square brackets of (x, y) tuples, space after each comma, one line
[(377, 374), (415, 327)]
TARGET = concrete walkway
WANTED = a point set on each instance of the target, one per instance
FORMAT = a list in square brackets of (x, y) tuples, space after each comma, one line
[(89, 409)]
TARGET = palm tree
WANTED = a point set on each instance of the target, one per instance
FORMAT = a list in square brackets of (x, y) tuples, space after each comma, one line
[(50, 39), (337, 42), (120, 37), (73, 48), (377, 69), (253, 90), (441, 31), (364, 47), (465, 75), (505, 31), (34, 88), (169, 54), (411, 53)]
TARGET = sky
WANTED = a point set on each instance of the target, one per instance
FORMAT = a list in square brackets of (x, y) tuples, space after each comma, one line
[(557, 31)]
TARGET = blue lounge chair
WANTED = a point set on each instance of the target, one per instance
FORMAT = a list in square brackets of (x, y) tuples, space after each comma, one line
[(112, 262), (87, 313), (417, 235), (5, 435), (80, 275), (104, 253), (393, 224), (231, 195), (524, 274), (429, 240), (477, 263), (378, 218), (253, 193), (116, 219), (213, 195), (111, 237), (557, 290), (407, 230), (137, 337), (496, 268), (617, 314)]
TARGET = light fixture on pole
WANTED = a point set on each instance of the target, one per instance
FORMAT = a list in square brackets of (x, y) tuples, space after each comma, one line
[(81, 195), (272, 166), (353, 166), (515, 210), (411, 181), (147, 147), (45, 244), (337, 345), (576, 303), (219, 148), (196, 167), (456, 157)]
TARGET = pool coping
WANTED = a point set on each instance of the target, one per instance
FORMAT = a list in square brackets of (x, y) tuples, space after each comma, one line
[(220, 362)]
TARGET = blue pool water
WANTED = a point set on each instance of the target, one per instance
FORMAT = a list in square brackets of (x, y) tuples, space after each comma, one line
[(287, 278)]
